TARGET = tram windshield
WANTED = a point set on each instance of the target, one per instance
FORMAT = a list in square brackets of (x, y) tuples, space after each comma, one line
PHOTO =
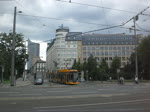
[(74, 76)]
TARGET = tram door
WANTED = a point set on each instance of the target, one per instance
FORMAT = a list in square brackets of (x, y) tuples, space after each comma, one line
[(67, 77)]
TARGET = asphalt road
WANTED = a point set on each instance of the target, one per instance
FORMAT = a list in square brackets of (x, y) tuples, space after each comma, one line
[(85, 97)]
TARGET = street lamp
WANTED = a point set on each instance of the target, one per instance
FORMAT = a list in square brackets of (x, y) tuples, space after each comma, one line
[(136, 58), (13, 48)]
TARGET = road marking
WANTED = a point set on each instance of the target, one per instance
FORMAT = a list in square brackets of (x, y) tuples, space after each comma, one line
[(105, 89), (60, 97), (93, 104), (9, 92), (103, 110), (87, 92), (57, 91), (25, 94)]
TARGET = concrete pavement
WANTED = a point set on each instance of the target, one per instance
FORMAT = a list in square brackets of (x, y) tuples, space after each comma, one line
[(19, 83)]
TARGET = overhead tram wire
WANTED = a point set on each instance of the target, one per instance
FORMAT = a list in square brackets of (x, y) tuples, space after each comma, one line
[(142, 28), (108, 8), (44, 17), (6, 0), (121, 25), (113, 26)]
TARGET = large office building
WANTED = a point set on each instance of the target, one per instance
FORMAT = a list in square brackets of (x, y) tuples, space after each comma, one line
[(33, 51), (61, 53), (105, 46), (68, 46)]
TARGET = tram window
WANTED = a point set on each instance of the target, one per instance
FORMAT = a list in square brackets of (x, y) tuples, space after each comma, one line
[(75, 76)]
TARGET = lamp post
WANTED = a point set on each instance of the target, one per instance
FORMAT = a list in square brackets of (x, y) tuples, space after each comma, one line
[(136, 58), (13, 49)]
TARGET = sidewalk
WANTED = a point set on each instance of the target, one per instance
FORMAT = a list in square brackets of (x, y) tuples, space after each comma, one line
[(19, 83)]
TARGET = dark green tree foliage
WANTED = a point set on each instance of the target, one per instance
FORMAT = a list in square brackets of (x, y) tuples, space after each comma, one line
[(144, 57), (92, 68), (116, 63), (74, 65), (5, 53), (77, 65), (103, 70)]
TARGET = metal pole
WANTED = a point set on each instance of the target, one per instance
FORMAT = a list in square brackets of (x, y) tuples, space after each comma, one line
[(136, 58), (13, 49), (2, 73)]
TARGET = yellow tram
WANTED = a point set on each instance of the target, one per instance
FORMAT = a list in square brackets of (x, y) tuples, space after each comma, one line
[(65, 76)]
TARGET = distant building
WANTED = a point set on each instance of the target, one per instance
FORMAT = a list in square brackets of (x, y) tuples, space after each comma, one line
[(106, 46), (39, 66), (33, 51), (68, 46)]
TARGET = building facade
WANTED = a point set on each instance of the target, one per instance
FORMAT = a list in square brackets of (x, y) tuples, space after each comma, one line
[(61, 53), (33, 51), (39, 66), (68, 46), (106, 46)]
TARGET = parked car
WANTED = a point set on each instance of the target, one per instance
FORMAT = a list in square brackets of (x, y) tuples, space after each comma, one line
[(38, 81)]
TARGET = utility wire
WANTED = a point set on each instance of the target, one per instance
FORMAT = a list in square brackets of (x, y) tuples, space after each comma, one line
[(61, 19), (108, 8), (6, 0), (142, 28), (44, 17)]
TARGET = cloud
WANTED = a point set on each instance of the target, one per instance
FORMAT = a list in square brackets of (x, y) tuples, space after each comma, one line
[(77, 16)]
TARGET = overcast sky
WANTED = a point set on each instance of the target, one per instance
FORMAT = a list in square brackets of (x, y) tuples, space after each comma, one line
[(40, 18)]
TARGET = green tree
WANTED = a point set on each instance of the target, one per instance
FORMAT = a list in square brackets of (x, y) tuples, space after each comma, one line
[(92, 68), (116, 63), (85, 69), (103, 70), (74, 64), (144, 57), (77, 65), (5, 53)]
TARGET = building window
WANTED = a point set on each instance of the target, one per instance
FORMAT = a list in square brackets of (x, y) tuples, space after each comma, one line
[(93, 48), (97, 58), (84, 48), (114, 48), (115, 53), (93, 53), (119, 53), (110, 53), (110, 48), (119, 48), (97, 53), (106, 48), (106, 58), (101, 48), (127, 48), (97, 47), (106, 53), (110, 58), (123, 53), (123, 48)]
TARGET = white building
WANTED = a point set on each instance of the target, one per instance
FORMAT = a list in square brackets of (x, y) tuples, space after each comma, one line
[(69, 46), (33, 51), (61, 53), (39, 66)]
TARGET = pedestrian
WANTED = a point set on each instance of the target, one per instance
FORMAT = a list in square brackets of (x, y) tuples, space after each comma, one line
[(122, 80), (110, 78), (136, 80)]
